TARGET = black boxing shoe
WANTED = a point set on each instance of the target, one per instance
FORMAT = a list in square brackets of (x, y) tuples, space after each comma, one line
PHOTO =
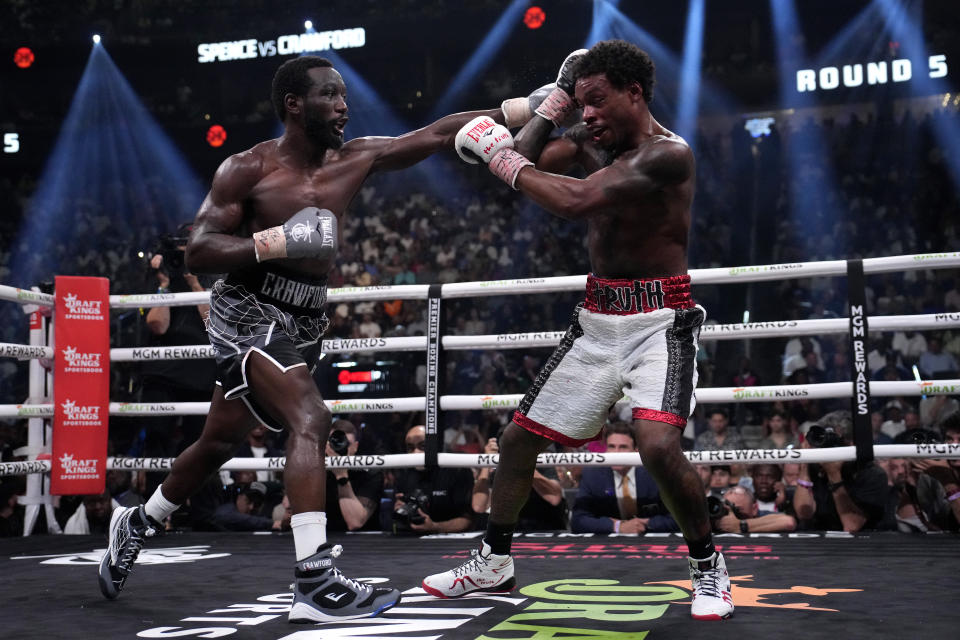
[(322, 594), (128, 527)]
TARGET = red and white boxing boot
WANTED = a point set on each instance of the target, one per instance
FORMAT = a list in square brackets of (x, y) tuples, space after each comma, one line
[(711, 588), (484, 571)]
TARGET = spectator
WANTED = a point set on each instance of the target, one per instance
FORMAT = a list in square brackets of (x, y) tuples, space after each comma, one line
[(893, 422), (935, 362), (876, 425), (258, 446), (840, 495), (242, 512), (619, 499), (743, 515), (369, 327), (891, 371), (545, 509), (910, 345), (779, 435), (442, 494), (918, 500), (353, 495), (92, 515), (721, 436), (769, 489)]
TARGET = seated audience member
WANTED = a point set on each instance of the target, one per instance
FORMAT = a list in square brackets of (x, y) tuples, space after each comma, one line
[(242, 513), (839, 495), (120, 484), (720, 436), (876, 425), (619, 499), (431, 500), (779, 433), (769, 490), (935, 362), (92, 516), (258, 446), (545, 509), (742, 515), (893, 423), (719, 479), (353, 495)]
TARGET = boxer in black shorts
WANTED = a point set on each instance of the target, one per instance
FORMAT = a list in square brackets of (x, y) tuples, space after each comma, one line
[(271, 222)]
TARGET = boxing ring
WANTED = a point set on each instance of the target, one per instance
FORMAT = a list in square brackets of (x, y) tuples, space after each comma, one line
[(778, 578)]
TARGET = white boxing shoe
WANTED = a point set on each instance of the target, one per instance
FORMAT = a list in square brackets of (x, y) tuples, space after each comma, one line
[(484, 571), (711, 588)]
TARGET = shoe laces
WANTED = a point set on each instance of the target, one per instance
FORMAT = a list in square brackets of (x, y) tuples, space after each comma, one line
[(335, 552), (476, 563), (706, 583), (130, 541)]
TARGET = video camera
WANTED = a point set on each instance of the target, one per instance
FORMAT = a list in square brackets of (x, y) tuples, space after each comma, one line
[(409, 512), (718, 507), (170, 246), (821, 437), (338, 442)]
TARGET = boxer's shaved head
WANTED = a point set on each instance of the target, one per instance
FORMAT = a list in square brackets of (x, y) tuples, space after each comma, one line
[(623, 64), (292, 77)]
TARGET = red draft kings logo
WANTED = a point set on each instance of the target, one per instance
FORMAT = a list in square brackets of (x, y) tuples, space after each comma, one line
[(77, 362), (78, 309), (75, 415), (72, 468)]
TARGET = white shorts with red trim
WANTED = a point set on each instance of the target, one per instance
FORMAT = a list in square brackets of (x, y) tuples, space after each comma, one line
[(649, 357)]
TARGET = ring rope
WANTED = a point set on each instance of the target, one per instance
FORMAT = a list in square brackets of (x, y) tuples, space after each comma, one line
[(531, 339), (821, 391), (575, 458)]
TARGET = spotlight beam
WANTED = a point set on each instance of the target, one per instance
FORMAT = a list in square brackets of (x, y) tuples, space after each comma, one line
[(690, 74), (480, 59)]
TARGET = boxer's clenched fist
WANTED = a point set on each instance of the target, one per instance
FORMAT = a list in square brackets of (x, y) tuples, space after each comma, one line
[(483, 139), (480, 139), (309, 233)]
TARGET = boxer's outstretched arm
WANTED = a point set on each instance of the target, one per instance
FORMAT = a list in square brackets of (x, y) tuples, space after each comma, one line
[(410, 148), (212, 247), (639, 177)]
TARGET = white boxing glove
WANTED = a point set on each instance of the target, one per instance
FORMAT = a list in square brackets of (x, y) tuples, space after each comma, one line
[(483, 139), (480, 139)]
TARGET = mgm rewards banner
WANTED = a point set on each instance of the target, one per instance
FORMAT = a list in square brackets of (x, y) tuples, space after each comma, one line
[(81, 385)]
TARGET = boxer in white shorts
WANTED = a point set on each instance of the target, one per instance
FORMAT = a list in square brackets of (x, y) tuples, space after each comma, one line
[(637, 331), (633, 337)]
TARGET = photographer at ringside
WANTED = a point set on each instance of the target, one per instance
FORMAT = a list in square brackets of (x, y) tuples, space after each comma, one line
[(836, 496), (433, 500), (738, 512), (353, 495), (168, 381)]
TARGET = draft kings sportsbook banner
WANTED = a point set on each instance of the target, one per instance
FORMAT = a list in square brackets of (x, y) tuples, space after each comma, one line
[(81, 385)]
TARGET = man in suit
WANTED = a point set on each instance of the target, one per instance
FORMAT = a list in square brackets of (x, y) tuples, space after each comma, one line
[(619, 499)]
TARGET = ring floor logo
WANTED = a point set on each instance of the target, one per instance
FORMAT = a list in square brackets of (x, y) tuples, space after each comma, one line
[(168, 555), (566, 608)]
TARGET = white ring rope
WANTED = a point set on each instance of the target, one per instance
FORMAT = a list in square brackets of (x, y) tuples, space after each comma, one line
[(24, 296), (528, 340), (575, 459), (713, 395)]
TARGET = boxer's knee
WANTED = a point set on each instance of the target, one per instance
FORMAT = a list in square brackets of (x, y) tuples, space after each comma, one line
[(311, 419)]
